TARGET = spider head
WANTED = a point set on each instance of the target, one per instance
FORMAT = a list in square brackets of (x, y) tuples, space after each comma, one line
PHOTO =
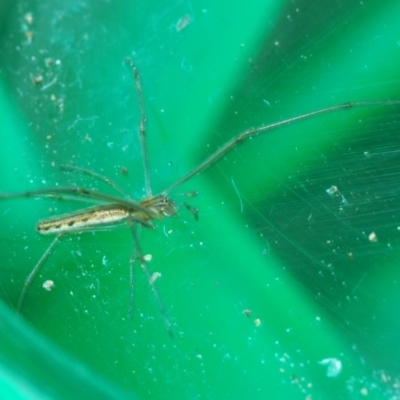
[(160, 206), (167, 206)]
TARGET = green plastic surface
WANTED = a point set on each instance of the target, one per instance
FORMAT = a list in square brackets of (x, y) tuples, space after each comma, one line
[(293, 265)]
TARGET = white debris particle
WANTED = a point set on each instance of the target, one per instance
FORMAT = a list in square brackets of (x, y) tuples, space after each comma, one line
[(333, 191), (48, 285), (147, 257), (183, 23), (372, 237), (28, 17), (154, 277), (333, 366)]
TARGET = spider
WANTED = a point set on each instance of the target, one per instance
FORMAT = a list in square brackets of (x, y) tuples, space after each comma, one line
[(115, 210)]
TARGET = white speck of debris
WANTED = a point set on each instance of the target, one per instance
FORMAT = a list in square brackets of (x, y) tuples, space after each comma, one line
[(28, 17), (48, 285), (333, 366), (154, 277), (333, 191), (183, 23), (372, 237)]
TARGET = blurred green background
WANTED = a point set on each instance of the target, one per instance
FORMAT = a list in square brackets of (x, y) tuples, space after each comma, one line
[(287, 220)]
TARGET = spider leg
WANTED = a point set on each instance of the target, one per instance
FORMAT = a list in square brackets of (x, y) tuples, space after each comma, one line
[(238, 139), (142, 127), (35, 270), (95, 175), (132, 259), (139, 255)]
